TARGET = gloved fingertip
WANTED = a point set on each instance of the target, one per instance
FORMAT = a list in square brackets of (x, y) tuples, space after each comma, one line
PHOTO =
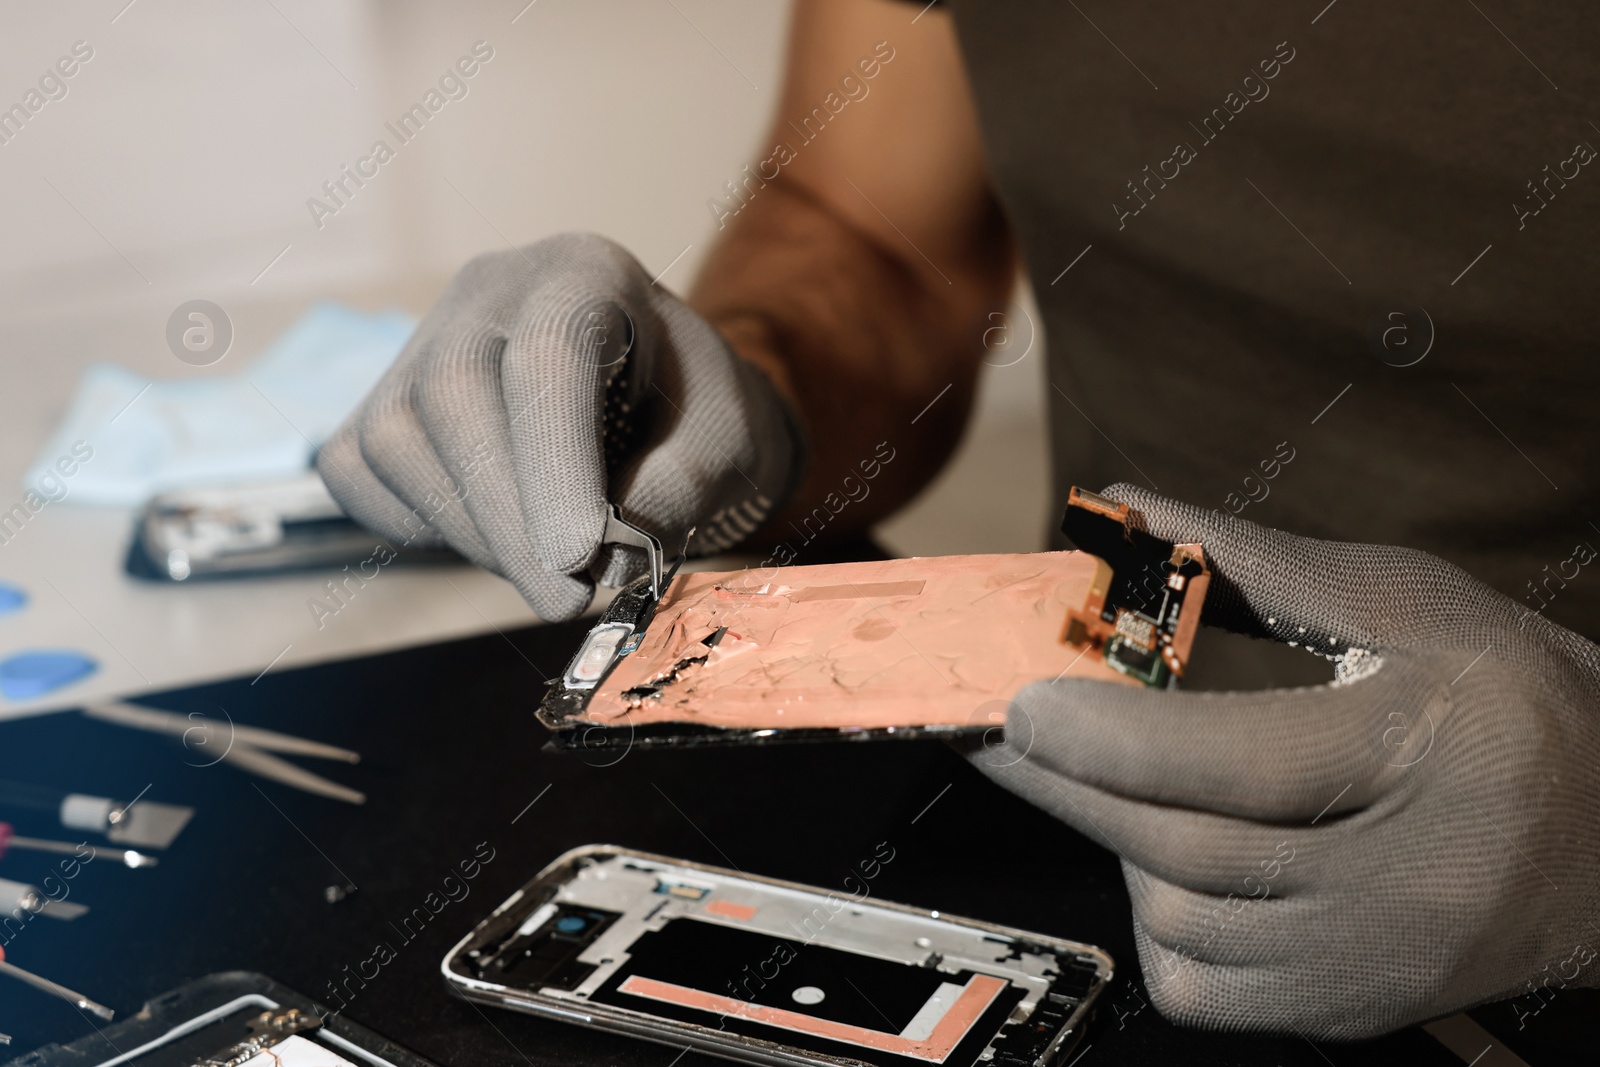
[(336, 461), (1166, 518), (1064, 695), (573, 547), (1126, 492), (615, 566), (557, 597)]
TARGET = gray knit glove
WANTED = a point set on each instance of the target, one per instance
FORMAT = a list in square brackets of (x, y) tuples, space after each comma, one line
[(547, 381), (1420, 836)]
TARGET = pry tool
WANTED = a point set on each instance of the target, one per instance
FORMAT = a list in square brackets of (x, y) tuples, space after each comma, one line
[(40, 982), (10, 840)]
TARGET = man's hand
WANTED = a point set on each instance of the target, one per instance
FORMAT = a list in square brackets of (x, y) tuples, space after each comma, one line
[(503, 427), (1418, 837)]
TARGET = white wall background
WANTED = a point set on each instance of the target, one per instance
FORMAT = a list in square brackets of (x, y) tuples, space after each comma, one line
[(179, 164), (193, 138)]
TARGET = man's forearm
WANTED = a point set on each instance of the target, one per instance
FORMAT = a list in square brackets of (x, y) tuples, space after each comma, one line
[(859, 341)]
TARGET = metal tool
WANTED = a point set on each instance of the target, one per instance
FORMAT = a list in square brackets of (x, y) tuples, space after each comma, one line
[(621, 627), (620, 531), (128, 856), (78, 1000), (142, 823), (246, 747), (17, 897)]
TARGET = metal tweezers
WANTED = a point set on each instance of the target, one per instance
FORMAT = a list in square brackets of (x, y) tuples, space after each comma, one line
[(619, 531), (247, 747)]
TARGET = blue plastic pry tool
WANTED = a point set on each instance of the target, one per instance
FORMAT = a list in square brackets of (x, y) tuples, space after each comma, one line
[(26, 675)]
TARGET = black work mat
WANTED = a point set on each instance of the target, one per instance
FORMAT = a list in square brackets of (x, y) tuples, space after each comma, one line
[(452, 762)]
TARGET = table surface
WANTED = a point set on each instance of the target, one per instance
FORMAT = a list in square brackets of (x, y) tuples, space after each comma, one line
[(453, 759)]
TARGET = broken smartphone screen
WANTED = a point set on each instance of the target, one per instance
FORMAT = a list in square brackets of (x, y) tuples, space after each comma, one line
[(929, 646), (771, 972)]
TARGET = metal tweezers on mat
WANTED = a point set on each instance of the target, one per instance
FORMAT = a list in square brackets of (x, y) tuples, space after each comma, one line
[(246, 747)]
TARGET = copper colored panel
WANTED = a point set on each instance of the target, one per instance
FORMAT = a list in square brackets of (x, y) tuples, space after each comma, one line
[(862, 591), (907, 642)]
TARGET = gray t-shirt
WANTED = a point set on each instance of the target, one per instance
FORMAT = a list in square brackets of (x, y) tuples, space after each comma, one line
[(1267, 209)]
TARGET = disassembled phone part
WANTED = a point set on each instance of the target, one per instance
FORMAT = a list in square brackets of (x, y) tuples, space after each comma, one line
[(265, 528), (897, 648), (1135, 614), (771, 972), (233, 1019)]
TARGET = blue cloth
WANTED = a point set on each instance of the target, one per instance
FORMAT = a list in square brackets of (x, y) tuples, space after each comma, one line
[(12, 598), (257, 425)]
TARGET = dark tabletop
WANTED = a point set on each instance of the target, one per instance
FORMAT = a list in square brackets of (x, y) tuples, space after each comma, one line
[(452, 758)]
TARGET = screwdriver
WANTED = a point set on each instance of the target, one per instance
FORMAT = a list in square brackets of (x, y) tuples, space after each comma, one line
[(38, 982), (128, 856), (141, 823)]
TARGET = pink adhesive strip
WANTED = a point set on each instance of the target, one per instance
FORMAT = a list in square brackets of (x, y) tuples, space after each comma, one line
[(975, 998)]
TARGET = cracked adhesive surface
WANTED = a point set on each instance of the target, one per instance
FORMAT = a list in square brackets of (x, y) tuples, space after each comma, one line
[(907, 642)]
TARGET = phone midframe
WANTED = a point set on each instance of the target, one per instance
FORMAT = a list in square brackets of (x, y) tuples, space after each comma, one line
[(768, 971)]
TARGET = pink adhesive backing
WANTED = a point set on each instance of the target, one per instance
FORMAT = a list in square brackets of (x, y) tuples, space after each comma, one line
[(909, 642)]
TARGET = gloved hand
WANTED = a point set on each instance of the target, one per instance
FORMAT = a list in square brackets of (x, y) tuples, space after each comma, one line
[(1420, 836), (547, 381)]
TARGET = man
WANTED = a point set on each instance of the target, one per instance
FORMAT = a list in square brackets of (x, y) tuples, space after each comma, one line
[(1279, 281)]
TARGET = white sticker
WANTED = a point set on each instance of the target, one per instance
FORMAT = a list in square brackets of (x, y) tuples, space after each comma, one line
[(296, 1051)]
